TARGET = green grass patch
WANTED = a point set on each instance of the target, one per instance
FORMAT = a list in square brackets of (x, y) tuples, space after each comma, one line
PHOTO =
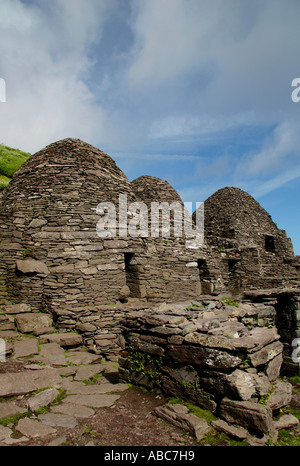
[(11, 160), (4, 181)]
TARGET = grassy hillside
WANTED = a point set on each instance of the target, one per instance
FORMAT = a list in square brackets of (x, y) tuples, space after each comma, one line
[(10, 160)]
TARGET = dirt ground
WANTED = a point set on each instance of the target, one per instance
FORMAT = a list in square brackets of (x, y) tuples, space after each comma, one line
[(129, 422)]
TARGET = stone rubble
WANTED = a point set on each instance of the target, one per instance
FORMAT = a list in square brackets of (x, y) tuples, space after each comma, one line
[(235, 357), (46, 372), (213, 355)]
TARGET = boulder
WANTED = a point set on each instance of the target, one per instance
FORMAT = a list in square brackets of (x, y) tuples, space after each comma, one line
[(242, 384), (247, 414), (29, 322), (287, 421), (281, 396)]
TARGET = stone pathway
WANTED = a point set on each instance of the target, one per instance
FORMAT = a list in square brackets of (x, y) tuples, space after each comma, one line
[(44, 386)]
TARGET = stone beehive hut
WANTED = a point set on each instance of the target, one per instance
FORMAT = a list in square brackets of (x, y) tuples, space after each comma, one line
[(172, 263), (51, 254), (50, 251), (253, 251)]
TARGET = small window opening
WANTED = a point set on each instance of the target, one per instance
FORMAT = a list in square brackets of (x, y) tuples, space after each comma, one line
[(269, 243), (233, 265)]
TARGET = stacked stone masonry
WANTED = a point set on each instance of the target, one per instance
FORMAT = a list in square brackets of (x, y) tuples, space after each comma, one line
[(52, 256), (53, 262), (223, 358)]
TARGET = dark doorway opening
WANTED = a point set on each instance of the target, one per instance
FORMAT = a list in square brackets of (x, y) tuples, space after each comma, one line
[(132, 274), (205, 278)]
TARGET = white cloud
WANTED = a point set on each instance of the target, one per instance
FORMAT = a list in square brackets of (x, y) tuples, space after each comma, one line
[(191, 125), (279, 152), (43, 58)]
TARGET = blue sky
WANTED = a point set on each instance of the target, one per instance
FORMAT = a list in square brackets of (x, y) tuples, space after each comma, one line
[(197, 92)]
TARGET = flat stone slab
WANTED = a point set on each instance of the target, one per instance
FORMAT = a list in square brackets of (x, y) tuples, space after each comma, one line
[(9, 408), (11, 334), (43, 398), (57, 441), (5, 437), (17, 308), (236, 432), (83, 357), (34, 428), (73, 409), (29, 322), (63, 339), (58, 420), (93, 401), (180, 416), (86, 372), (53, 354), (79, 388), (19, 383), (25, 347)]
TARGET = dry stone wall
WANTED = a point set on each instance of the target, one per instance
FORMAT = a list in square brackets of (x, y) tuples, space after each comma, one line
[(220, 357), (254, 253)]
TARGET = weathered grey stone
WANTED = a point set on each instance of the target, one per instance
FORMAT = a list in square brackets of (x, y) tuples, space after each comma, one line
[(57, 441), (287, 421), (281, 396), (37, 223), (93, 401), (6, 439), (25, 347), (28, 322), (31, 266), (219, 341), (233, 431), (179, 416), (207, 357), (9, 408), (74, 410), (124, 292), (266, 353), (79, 388), (262, 384), (42, 399), (58, 420), (247, 414), (242, 384), (86, 372), (68, 339), (19, 383), (17, 308), (83, 357), (33, 428), (52, 353), (273, 368)]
